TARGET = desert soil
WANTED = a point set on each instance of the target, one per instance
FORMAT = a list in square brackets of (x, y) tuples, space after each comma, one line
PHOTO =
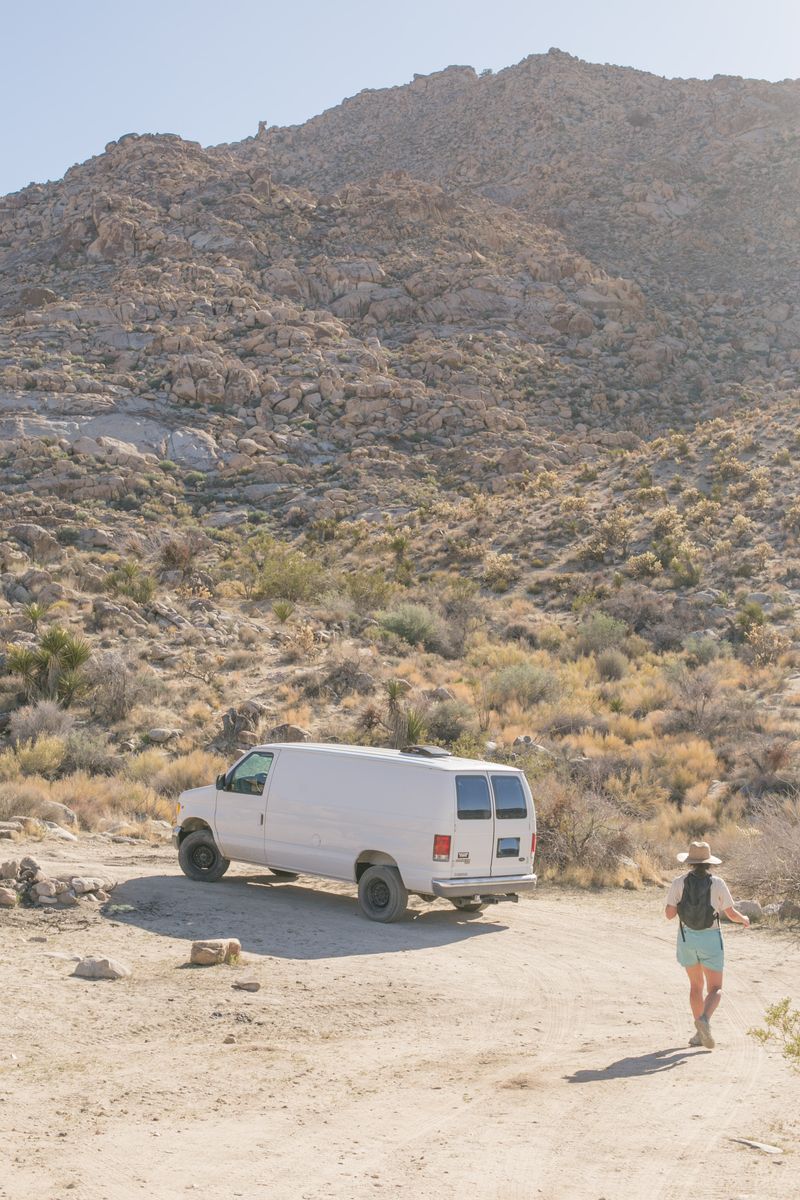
[(538, 1050)]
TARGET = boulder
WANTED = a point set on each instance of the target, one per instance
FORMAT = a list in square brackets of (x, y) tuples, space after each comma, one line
[(162, 735), (9, 869), (213, 951), (789, 910), (101, 968), (750, 908), (289, 733), (8, 897)]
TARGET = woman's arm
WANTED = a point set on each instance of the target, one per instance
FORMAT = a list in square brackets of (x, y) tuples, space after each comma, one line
[(670, 912), (738, 918)]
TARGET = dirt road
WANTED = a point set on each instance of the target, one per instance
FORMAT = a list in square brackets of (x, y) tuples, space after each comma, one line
[(538, 1050)]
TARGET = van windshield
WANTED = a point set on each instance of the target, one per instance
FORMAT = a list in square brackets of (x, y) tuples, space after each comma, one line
[(472, 796), (509, 798)]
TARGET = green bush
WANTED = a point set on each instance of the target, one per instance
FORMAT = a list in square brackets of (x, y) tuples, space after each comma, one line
[(450, 720), (600, 632), (781, 1024), (368, 590), (415, 624), (611, 665), (289, 574), (524, 683)]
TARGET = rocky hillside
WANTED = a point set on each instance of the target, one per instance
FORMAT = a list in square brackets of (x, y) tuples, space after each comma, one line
[(465, 411)]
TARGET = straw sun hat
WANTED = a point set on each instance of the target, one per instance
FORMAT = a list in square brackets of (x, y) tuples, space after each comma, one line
[(698, 852)]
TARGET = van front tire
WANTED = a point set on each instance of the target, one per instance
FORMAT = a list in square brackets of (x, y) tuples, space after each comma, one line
[(199, 857), (382, 895)]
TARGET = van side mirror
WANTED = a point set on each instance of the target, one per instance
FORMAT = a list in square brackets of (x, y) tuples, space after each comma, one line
[(221, 783)]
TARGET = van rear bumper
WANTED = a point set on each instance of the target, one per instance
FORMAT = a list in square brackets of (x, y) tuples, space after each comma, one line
[(484, 885)]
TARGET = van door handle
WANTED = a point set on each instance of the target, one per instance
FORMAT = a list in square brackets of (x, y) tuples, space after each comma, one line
[(261, 820)]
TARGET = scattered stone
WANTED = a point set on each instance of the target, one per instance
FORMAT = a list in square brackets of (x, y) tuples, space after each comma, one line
[(160, 736), (213, 951), (247, 985), (229, 1039), (289, 733), (101, 968), (789, 910)]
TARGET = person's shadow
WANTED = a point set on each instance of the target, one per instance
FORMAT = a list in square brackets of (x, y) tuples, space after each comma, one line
[(630, 1068)]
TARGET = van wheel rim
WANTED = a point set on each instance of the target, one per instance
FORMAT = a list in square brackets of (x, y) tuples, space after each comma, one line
[(378, 894), (203, 858)]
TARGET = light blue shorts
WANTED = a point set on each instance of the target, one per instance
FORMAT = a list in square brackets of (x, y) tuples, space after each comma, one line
[(703, 946)]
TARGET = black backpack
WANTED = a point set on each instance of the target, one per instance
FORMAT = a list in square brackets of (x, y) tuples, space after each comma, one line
[(694, 908)]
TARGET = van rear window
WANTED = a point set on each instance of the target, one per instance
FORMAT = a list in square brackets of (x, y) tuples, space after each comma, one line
[(472, 796), (509, 798)]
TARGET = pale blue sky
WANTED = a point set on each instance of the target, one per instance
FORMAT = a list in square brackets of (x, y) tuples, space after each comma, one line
[(76, 74)]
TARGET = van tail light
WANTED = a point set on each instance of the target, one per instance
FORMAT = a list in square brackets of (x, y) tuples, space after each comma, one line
[(441, 847), (533, 846)]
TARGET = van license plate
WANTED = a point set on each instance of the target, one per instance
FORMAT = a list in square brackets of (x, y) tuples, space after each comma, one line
[(508, 847)]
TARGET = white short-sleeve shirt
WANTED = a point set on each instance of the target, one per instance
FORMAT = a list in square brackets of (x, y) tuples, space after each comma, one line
[(720, 893)]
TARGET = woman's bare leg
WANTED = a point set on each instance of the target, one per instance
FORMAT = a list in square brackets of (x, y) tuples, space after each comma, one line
[(696, 999), (713, 981)]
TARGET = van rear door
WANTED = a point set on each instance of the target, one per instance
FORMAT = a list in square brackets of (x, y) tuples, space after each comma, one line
[(513, 825), (474, 833)]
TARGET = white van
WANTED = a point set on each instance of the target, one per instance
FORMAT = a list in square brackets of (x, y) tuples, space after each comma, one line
[(395, 822)]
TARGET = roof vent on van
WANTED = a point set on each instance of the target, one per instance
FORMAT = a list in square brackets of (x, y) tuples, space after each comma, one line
[(428, 751)]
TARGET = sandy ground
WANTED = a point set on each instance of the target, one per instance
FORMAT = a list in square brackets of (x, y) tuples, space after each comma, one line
[(538, 1050)]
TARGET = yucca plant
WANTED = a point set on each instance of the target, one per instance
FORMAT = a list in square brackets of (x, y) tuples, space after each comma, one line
[(53, 670)]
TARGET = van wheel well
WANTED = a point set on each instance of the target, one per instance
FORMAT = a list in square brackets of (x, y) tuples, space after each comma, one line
[(191, 826), (372, 858)]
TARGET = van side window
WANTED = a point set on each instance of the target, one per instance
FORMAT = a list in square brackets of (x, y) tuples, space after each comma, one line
[(472, 796), (249, 777), (509, 798)]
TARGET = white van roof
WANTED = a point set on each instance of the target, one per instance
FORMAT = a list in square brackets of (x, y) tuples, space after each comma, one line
[(436, 762)]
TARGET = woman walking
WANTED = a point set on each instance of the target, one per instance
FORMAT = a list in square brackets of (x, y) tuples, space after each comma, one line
[(697, 898)]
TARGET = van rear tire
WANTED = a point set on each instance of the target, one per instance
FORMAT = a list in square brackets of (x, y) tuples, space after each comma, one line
[(382, 895), (200, 858)]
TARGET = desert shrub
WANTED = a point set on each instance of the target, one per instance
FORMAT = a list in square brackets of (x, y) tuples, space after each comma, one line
[(144, 766), (580, 829), (644, 566), (88, 750), (368, 590), (180, 551), (345, 678), (767, 862), (450, 720), (130, 580), (288, 574), (702, 650), (767, 644), (462, 608), (22, 798), (415, 624), (566, 723), (40, 719), (524, 684), (611, 665), (499, 571), (599, 632), (750, 614), (702, 705), (115, 686), (100, 799), (42, 757), (283, 609), (781, 1024), (190, 770)]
